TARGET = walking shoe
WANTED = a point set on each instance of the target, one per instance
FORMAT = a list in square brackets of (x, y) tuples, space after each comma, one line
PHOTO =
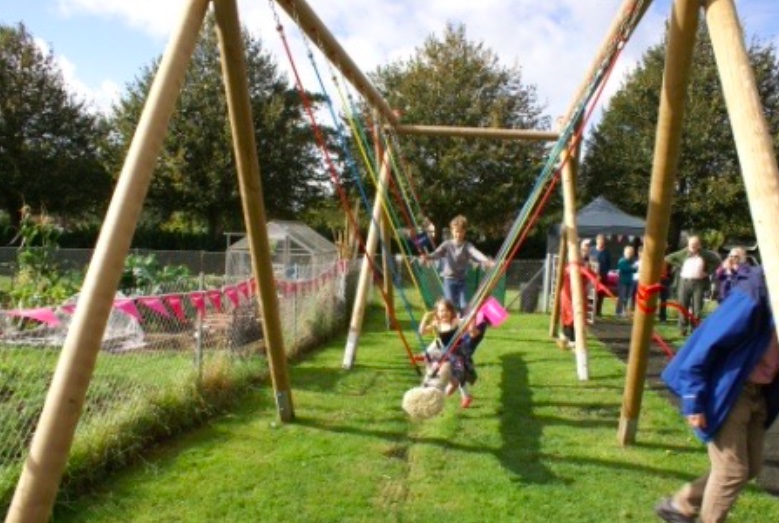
[(666, 511), (466, 401)]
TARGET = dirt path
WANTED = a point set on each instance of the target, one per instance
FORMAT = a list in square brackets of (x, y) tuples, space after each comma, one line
[(616, 336)]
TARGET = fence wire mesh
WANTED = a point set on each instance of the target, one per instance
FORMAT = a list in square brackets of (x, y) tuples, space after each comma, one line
[(159, 352)]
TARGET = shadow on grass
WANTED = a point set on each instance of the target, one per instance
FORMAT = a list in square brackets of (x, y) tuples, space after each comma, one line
[(520, 430)]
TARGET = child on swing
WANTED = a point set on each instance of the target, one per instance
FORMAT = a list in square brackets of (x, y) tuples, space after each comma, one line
[(457, 254), (444, 323)]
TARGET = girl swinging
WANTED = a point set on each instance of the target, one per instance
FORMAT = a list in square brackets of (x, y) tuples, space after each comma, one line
[(444, 322)]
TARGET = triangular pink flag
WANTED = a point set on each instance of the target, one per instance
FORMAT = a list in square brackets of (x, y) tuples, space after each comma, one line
[(174, 302), (155, 304), (127, 306), (232, 293), (198, 300), (215, 297), (244, 288), (43, 315), (68, 308)]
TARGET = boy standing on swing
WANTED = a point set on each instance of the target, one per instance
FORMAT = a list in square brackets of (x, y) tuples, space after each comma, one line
[(457, 254)]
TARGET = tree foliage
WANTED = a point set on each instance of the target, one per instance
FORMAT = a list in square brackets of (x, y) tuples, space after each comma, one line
[(709, 195), (49, 141), (452, 81), (195, 183)]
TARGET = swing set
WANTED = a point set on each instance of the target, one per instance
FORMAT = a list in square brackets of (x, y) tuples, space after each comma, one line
[(44, 466)]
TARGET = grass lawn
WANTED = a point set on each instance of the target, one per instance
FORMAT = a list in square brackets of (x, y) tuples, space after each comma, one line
[(537, 445)]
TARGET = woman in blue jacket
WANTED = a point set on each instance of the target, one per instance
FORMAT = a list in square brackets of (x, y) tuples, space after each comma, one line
[(727, 377)]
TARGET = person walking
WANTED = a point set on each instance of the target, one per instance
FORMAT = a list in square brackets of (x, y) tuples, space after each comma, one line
[(727, 377)]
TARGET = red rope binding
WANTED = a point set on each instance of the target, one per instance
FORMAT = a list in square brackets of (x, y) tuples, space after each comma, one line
[(643, 294)]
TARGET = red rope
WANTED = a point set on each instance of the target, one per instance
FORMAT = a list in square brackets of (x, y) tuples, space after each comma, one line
[(321, 143), (643, 293)]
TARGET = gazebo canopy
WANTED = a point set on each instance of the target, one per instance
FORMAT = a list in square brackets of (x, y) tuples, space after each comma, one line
[(600, 216)]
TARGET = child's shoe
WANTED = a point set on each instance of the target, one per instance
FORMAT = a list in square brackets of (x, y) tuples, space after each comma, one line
[(466, 401)]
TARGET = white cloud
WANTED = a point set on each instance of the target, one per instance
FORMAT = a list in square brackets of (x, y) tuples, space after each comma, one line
[(554, 41), (98, 99), (154, 18)]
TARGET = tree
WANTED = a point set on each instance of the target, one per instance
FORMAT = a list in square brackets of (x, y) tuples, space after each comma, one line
[(709, 196), (49, 141), (195, 183), (452, 81)]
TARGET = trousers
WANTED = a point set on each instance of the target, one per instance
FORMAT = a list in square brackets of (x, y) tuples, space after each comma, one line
[(735, 456)]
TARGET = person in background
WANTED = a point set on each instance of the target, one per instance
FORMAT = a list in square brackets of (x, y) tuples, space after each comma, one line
[(666, 279), (456, 255), (584, 251), (626, 267), (694, 266), (727, 378), (733, 267), (601, 255), (567, 338)]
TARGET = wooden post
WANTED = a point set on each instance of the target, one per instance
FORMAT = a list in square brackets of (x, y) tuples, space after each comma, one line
[(554, 321), (386, 236), (308, 21), (386, 233), (493, 133), (43, 468), (250, 183), (574, 259), (366, 270), (681, 42), (750, 130)]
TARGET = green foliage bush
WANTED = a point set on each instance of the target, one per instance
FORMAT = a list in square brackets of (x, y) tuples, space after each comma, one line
[(143, 274)]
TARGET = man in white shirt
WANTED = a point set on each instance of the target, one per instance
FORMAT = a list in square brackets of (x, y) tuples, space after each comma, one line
[(694, 266)]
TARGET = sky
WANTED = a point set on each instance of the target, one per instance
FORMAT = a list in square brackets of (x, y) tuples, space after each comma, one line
[(101, 46)]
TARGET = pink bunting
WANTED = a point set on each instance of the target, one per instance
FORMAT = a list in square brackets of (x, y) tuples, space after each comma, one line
[(198, 300), (155, 304), (244, 288), (43, 315), (127, 306), (215, 297), (69, 308), (174, 302), (232, 294)]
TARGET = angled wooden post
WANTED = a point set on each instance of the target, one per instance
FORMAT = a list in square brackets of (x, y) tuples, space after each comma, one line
[(681, 43), (366, 269), (37, 488), (750, 130), (574, 259), (554, 320), (386, 236), (250, 183)]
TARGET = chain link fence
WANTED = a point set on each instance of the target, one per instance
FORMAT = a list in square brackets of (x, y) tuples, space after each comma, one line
[(167, 359)]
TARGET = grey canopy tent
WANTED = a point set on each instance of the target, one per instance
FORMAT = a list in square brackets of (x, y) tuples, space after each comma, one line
[(601, 216)]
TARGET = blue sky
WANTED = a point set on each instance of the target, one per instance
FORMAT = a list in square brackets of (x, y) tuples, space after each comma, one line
[(101, 45)]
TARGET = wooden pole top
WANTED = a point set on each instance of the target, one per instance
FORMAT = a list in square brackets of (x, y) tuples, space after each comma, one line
[(321, 36), (479, 132)]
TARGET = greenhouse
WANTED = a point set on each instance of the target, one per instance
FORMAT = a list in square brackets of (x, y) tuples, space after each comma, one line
[(298, 252)]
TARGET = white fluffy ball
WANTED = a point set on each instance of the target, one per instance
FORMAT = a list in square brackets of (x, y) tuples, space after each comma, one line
[(423, 402)]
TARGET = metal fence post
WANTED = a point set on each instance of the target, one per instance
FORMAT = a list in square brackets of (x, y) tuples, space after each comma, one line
[(199, 334)]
